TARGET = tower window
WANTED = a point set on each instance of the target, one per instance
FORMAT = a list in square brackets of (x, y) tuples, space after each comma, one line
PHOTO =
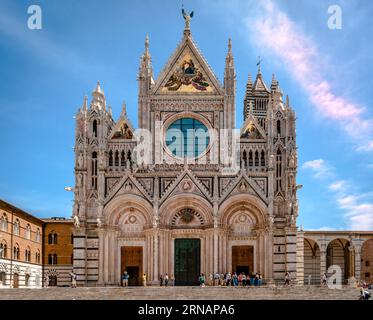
[(110, 158), (278, 127), (278, 170), (250, 158), (94, 128), (94, 170)]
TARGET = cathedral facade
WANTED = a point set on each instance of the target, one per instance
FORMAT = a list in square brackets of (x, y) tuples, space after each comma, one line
[(187, 192)]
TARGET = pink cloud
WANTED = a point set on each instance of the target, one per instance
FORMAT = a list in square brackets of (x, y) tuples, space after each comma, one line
[(281, 36)]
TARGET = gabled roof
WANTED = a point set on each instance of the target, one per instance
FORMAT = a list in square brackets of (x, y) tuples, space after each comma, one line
[(123, 129), (187, 71), (259, 84)]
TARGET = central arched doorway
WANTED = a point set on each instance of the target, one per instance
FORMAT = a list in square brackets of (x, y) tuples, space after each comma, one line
[(187, 261)]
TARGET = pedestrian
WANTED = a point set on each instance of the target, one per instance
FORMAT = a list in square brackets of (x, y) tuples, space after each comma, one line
[(243, 279), (172, 279), (202, 280), (324, 279), (216, 279), (287, 279), (46, 282), (144, 280), (221, 279), (161, 280), (210, 279), (125, 278), (166, 279), (260, 280), (73, 279), (256, 280), (240, 279), (228, 279), (235, 279)]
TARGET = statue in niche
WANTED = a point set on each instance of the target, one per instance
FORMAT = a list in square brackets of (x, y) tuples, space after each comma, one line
[(80, 160), (76, 221)]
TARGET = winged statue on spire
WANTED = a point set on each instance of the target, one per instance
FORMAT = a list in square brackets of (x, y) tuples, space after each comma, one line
[(187, 17)]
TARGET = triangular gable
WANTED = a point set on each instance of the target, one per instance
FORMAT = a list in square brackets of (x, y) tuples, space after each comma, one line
[(244, 184), (259, 84), (123, 129), (187, 72), (128, 185), (251, 129), (187, 181)]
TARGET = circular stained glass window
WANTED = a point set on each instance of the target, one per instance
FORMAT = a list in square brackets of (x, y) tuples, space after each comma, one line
[(187, 137)]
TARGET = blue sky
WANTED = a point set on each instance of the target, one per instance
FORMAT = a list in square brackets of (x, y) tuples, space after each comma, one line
[(327, 74)]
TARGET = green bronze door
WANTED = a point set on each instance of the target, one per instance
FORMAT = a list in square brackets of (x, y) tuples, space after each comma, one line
[(187, 261)]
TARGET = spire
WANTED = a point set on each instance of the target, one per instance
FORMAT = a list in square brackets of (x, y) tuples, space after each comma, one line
[(145, 63), (98, 97), (110, 111), (274, 83), (229, 72), (124, 109), (229, 61), (147, 45), (85, 107), (287, 102)]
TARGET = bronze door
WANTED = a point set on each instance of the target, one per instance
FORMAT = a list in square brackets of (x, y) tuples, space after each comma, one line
[(187, 261)]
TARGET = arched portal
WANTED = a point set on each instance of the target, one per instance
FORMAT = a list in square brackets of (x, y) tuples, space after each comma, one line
[(247, 241), (340, 253), (367, 261), (311, 262)]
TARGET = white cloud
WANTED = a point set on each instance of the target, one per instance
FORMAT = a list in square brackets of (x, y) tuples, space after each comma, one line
[(274, 31), (367, 146), (337, 185), (319, 167)]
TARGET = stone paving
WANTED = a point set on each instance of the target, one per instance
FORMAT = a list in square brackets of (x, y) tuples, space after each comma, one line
[(182, 293)]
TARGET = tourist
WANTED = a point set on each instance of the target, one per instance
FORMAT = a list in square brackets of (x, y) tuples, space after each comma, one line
[(172, 279), (46, 282), (202, 280), (240, 279), (243, 279), (287, 279), (256, 280), (166, 279), (228, 279), (260, 280), (216, 279), (210, 279), (364, 295), (222, 277), (235, 279), (73, 279), (324, 279), (144, 280), (125, 278), (161, 280)]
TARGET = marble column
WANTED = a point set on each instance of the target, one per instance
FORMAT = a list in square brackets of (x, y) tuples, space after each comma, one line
[(106, 258), (357, 262), (101, 266), (322, 261)]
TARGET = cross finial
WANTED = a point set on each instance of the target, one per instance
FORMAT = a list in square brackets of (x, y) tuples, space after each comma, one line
[(258, 63)]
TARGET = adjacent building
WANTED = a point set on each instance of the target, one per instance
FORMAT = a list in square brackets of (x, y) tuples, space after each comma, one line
[(58, 251), (34, 252), (21, 246)]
